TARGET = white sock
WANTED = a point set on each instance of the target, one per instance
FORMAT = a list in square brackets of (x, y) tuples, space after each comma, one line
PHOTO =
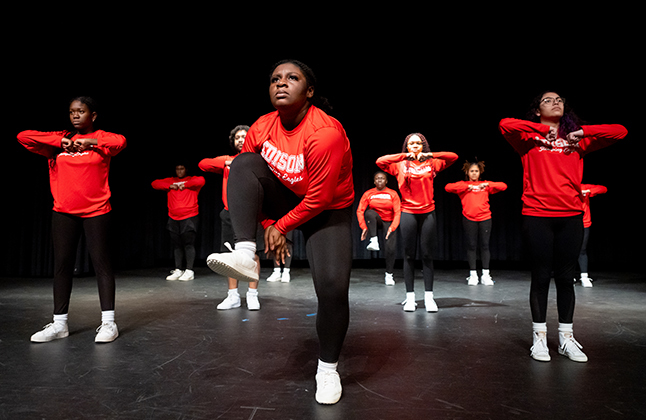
[(410, 296), (107, 316), (285, 270), (276, 269), (248, 247), (584, 275), (428, 294), (326, 367), (565, 330), (539, 326), (252, 291), (473, 273), (485, 271), (233, 292), (61, 319)]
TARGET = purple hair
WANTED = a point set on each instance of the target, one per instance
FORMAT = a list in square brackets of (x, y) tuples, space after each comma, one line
[(569, 121)]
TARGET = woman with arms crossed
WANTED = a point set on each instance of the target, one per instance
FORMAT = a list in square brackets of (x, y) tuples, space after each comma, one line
[(476, 221), (296, 171), (415, 168), (551, 144), (82, 153)]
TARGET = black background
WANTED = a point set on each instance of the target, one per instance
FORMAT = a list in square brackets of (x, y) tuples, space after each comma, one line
[(176, 88)]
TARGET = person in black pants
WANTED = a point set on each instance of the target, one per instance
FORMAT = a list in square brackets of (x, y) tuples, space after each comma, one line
[(295, 171)]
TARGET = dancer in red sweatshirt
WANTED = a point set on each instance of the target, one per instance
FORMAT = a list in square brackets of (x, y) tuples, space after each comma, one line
[(587, 191), (551, 144), (476, 221), (183, 218), (82, 153), (415, 169), (296, 171), (380, 208)]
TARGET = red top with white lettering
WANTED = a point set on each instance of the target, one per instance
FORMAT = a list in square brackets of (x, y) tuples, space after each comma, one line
[(415, 178), (78, 181), (385, 202), (552, 170), (182, 203), (314, 161), (475, 201)]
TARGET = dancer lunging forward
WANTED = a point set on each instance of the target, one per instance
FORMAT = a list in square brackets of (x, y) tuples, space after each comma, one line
[(297, 172)]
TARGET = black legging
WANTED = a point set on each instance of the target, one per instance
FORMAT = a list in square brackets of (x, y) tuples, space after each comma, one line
[(475, 232), (553, 245), (182, 235), (374, 222), (583, 255), (66, 232), (328, 239), (418, 228)]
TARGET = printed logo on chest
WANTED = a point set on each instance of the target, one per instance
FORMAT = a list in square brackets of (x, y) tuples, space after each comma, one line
[(282, 161)]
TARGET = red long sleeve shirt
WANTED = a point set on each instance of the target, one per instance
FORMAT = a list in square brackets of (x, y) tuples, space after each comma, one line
[(182, 204), (218, 165), (475, 201), (415, 178), (78, 181), (589, 190), (552, 171), (314, 161), (385, 202)]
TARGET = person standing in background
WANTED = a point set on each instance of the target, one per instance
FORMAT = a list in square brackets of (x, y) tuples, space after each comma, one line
[(183, 219)]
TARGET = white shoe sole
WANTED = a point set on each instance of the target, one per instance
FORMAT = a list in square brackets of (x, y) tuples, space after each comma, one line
[(223, 268)]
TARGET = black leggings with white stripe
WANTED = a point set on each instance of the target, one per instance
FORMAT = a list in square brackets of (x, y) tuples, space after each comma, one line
[(328, 242)]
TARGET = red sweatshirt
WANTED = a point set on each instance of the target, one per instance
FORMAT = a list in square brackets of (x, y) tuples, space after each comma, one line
[(475, 202), (314, 161), (78, 181), (415, 178), (589, 190), (218, 165), (385, 202), (552, 171), (182, 204)]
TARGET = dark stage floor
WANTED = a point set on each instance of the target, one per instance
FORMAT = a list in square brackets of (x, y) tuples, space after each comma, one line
[(178, 357)]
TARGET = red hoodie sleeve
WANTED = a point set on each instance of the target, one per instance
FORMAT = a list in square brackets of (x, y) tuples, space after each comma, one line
[(519, 133), (215, 165), (41, 142), (361, 208), (112, 143), (596, 137), (389, 163), (162, 184), (456, 187)]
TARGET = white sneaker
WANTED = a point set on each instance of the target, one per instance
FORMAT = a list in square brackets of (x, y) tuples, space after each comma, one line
[(275, 276), (539, 350), (472, 280), (409, 304), (586, 282), (106, 332), (486, 280), (571, 348), (51, 331), (234, 264), (253, 304), (328, 387), (188, 275), (374, 244), (429, 304), (390, 281), (231, 301), (286, 277), (175, 274)]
